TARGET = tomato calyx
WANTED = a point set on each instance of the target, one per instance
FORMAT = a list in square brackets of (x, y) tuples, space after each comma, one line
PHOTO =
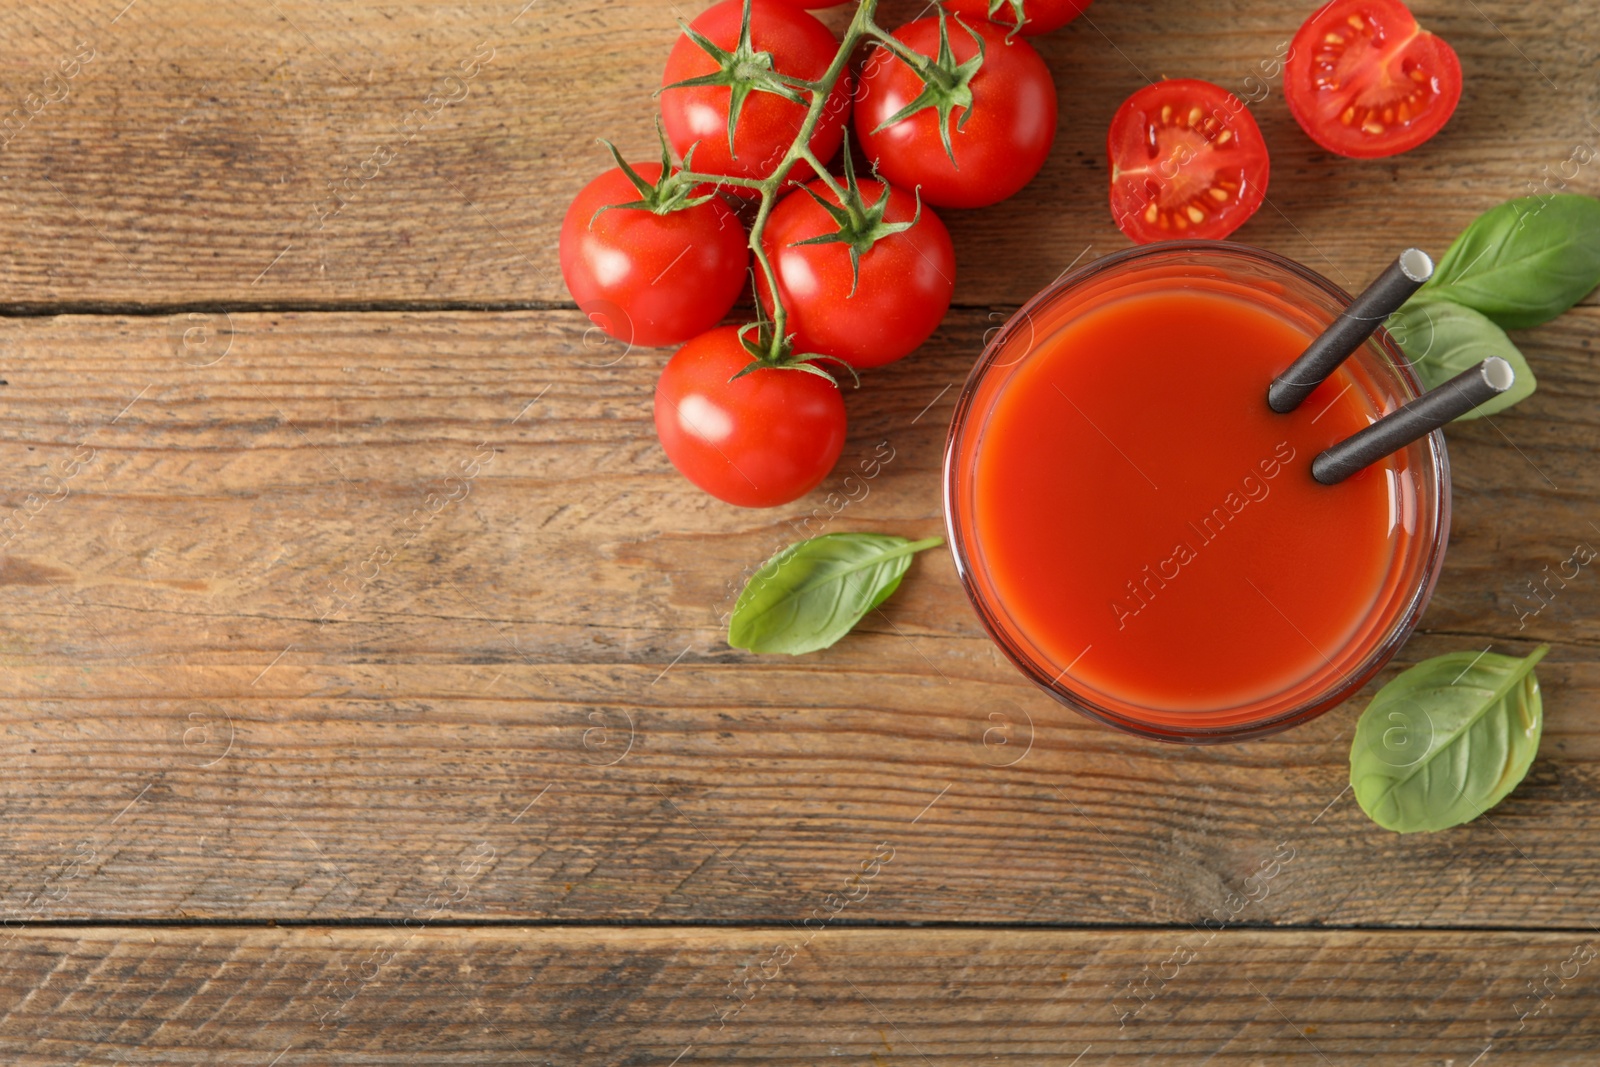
[(768, 351), (743, 71), (673, 191), (860, 224), (1018, 17), (946, 84)]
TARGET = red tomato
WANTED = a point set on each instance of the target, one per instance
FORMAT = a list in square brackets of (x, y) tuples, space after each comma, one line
[(1187, 160), (1364, 80), (1038, 16), (799, 45), (759, 441), (649, 279), (901, 295), (1000, 142), (814, 3)]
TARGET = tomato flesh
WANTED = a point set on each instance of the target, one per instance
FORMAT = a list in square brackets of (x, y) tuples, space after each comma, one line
[(1364, 80), (1187, 161)]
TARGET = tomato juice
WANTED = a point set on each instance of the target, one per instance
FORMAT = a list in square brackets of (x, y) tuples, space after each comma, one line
[(1141, 532)]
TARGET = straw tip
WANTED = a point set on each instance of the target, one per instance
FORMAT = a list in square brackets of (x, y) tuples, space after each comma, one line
[(1416, 264), (1497, 373), (1282, 397)]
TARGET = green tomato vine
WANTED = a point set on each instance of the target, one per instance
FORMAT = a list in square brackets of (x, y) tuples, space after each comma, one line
[(744, 71)]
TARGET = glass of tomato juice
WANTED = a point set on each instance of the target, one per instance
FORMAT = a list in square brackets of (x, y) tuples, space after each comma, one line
[(1141, 534)]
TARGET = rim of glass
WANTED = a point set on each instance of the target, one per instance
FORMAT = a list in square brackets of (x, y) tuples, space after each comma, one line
[(1341, 688)]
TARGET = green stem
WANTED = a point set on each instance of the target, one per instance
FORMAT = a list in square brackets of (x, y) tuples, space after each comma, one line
[(862, 27), (913, 548), (822, 173), (859, 26), (720, 179), (821, 90), (780, 317), (910, 57)]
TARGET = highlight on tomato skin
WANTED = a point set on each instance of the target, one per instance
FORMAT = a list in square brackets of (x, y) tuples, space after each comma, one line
[(999, 143), (1365, 81), (650, 279), (873, 312), (1187, 161), (697, 116), (761, 440)]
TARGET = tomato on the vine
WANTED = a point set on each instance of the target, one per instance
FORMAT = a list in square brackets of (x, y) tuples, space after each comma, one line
[(1364, 80), (759, 440), (724, 90), (977, 131), (1187, 160), (874, 290), (1035, 16), (652, 262)]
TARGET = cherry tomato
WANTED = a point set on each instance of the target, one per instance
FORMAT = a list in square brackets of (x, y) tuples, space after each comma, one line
[(1187, 160), (768, 124), (1364, 80), (758, 441), (1000, 142), (900, 296), (1038, 16), (650, 279)]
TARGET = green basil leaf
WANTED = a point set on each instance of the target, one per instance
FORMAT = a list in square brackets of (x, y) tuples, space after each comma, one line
[(1524, 262), (1447, 740), (1441, 339), (814, 592)]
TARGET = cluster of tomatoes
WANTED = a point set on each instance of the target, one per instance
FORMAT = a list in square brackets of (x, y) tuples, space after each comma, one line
[(1360, 77), (953, 112)]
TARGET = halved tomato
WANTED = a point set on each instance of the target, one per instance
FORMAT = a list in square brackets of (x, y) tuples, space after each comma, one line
[(1364, 80), (1187, 160)]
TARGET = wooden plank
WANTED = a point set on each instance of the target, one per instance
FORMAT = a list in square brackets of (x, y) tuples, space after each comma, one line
[(731, 804), (199, 721), (787, 996), (296, 152)]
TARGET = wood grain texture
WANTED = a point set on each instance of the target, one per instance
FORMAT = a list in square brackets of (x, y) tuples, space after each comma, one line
[(194, 157), (1084, 998), (401, 617), (246, 675)]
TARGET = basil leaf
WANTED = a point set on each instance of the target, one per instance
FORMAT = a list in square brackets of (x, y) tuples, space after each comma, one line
[(1524, 262), (1447, 740), (814, 592), (1441, 339)]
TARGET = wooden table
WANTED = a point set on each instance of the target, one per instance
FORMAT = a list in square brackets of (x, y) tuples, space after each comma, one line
[(312, 755)]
